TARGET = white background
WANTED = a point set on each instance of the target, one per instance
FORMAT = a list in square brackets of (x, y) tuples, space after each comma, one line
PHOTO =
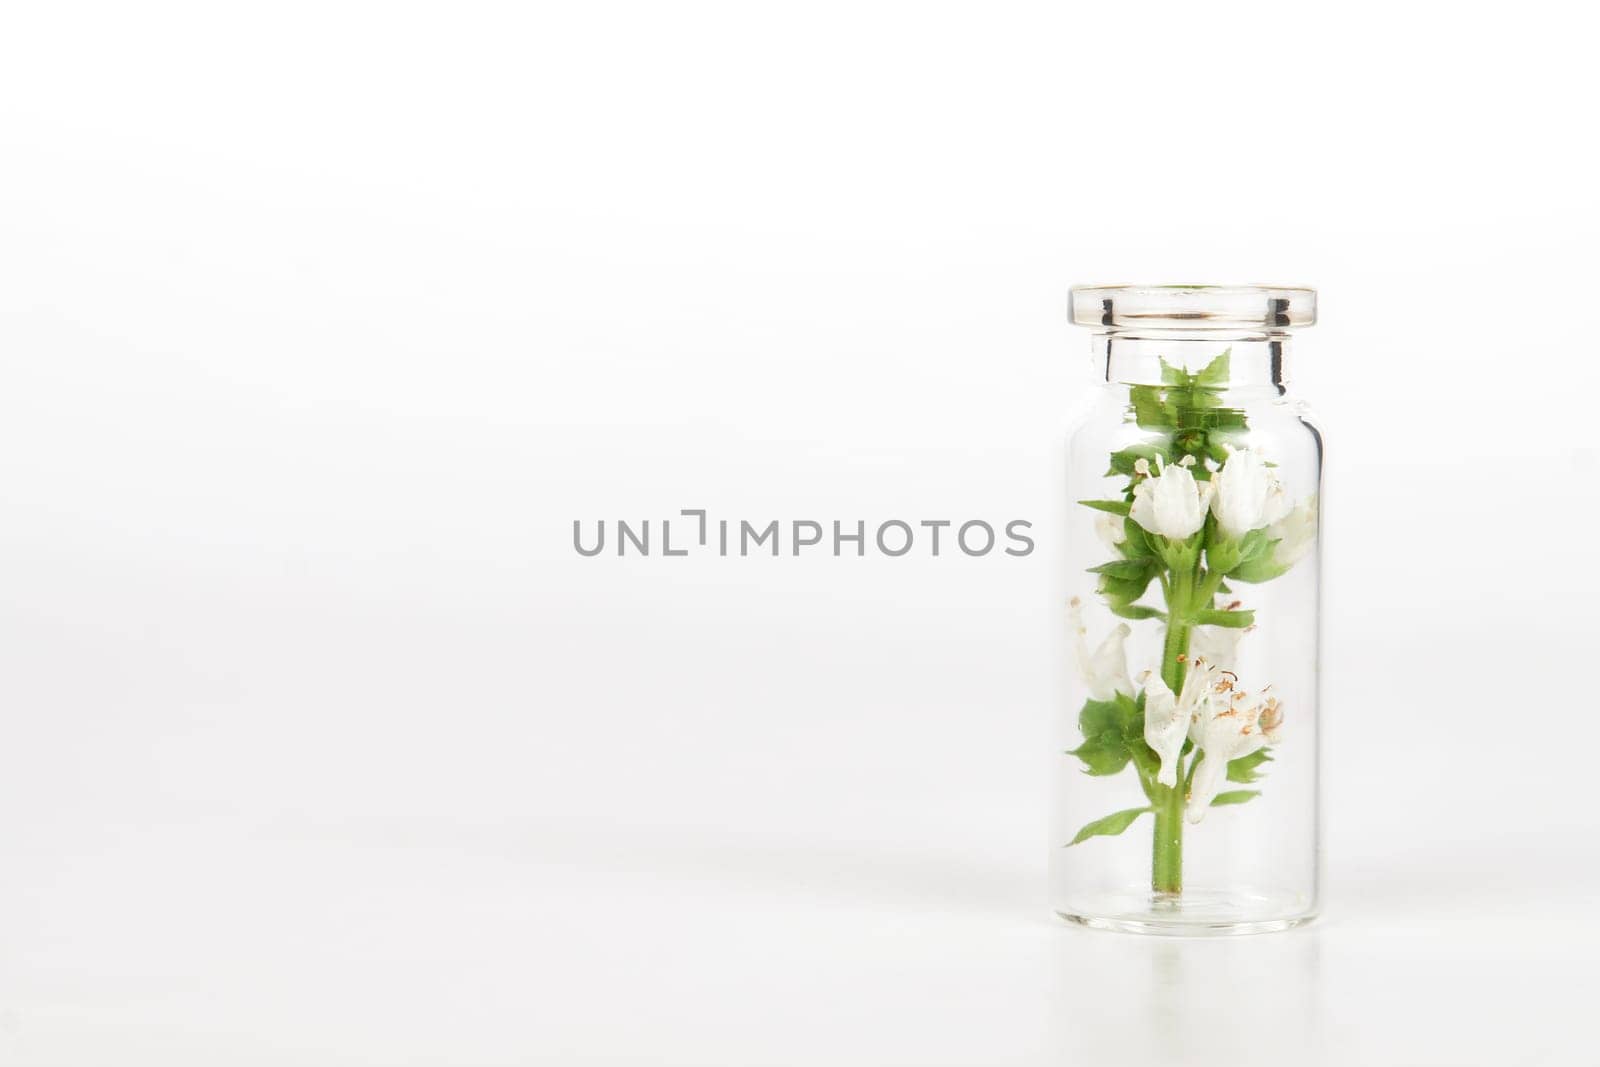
[(319, 324)]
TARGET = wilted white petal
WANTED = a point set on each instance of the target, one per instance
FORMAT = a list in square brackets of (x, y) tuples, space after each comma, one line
[(1204, 785), (1111, 530), (1216, 645), (1165, 727), (1104, 671), (1108, 667), (1198, 699), (1295, 533)]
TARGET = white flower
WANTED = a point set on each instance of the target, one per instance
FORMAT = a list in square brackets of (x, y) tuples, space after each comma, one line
[(1295, 534), (1111, 530), (1246, 494), (1105, 671), (1169, 502), (1234, 726)]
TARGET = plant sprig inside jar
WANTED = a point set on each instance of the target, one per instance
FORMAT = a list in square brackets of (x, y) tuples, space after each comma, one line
[(1196, 513)]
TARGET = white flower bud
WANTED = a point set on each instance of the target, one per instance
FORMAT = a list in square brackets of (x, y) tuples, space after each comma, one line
[(1170, 503), (1247, 495)]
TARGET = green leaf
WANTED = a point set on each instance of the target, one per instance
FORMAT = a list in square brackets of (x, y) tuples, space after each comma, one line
[(1121, 715), (1146, 762), (1122, 460), (1191, 404), (1222, 554), (1126, 569), (1124, 590), (1130, 715), (1109, 826), (1236, 796), (1193, 443), (1230, 556), (1103, 754), (1136, 540), (1151, 410), (1251, 544), (1179, 556), (1115, 507), (1104, 727), (1246, 769), (1254, 547), (1233, 620), (1135, 611), (1215, 373), (1263, 568), (1224, 419), (1098, 716)]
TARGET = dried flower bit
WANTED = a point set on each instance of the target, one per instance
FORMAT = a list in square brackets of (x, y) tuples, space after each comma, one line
[(1271, 716)]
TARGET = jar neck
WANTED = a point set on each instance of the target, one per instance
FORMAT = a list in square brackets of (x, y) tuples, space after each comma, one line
[(1257, 361)]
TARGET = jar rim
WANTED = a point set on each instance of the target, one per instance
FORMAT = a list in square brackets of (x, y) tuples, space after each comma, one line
[(1194, 307)]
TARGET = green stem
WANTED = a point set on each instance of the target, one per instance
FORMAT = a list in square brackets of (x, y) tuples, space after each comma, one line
[(1175, 649), (1166, 863)]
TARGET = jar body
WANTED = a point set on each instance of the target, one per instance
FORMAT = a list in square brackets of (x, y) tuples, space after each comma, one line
[(1186, 784)]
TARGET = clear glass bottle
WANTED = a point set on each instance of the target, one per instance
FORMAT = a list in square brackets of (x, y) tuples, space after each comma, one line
[(1186, 797)]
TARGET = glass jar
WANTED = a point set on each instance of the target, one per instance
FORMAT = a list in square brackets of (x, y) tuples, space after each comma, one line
[(1185, 795)]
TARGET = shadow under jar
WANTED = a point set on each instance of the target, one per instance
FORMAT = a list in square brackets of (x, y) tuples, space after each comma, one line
[(1186, 796)]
